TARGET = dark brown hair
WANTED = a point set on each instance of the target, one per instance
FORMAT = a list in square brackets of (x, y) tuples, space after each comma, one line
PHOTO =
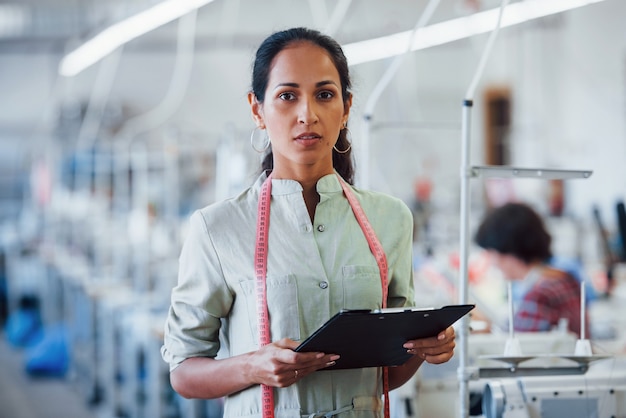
[(515, 229)]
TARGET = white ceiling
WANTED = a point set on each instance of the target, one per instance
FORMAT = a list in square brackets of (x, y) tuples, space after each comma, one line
[(34, 23)]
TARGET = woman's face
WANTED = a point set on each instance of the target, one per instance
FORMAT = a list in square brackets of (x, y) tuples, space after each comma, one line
[(511, 267), (303, 110)]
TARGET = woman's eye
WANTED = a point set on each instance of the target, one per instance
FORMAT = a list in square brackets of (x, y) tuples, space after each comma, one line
[(326, 95), (287, 96)]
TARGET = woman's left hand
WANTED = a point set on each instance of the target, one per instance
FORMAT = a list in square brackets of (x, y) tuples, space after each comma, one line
[(433, 350)]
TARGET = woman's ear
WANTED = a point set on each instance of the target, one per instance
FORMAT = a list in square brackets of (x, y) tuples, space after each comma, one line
[(346, 109), (257, 109)]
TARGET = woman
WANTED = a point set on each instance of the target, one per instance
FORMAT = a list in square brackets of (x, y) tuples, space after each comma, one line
[(519, 246), (254, 303)]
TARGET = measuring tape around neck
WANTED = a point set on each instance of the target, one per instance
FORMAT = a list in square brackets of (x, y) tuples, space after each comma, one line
[(375, 246), (381, 259), (260, 257)]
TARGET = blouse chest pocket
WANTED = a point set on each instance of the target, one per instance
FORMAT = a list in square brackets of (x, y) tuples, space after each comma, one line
[(282, 305), (362, 287)]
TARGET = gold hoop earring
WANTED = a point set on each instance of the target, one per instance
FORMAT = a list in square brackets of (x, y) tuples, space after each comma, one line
[(254, 140), (348, 134)]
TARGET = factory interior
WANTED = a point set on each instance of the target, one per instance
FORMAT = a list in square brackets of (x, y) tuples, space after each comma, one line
[(460, 106)]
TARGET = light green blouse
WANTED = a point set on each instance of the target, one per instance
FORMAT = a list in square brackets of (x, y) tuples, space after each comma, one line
[(314, 270)]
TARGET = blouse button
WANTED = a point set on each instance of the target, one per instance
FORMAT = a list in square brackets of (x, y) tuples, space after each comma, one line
[(321, 228), (323, 285)]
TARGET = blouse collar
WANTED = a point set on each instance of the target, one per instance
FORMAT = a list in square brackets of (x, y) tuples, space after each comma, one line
[(326, 184)]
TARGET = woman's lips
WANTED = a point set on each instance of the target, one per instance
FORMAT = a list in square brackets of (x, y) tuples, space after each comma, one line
[(308, 139)]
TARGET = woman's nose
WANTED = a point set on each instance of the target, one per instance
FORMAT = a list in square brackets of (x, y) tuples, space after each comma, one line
[(306, 113)]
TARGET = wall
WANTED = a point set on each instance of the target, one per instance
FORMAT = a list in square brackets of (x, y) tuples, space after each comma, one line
[(566, 74)]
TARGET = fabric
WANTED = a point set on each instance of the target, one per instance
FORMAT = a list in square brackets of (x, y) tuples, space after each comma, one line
[(314, 270), (23, 328), (553, 295), (49, 357), (576, 269)]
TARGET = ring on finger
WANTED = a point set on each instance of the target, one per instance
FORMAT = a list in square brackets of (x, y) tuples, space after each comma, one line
[(296, 373)]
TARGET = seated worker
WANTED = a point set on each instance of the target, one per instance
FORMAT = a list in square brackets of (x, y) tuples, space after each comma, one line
[(518, 244)]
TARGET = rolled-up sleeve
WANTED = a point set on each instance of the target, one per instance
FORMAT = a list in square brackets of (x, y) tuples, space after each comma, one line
[(200, 298)]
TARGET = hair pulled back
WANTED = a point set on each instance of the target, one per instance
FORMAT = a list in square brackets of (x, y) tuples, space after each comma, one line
[(267, 51)]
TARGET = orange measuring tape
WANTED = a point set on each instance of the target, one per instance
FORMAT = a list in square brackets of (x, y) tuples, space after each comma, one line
[(260, 257)]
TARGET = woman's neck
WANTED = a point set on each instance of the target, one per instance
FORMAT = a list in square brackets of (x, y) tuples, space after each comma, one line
[(311, 199), (533, 270)]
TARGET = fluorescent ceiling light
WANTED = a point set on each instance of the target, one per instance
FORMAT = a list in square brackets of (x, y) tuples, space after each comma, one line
[(455, 29), (122, 32)]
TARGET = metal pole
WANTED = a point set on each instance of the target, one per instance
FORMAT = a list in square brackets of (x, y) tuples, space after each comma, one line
[(463, 266), (364, 179), (466, 174)]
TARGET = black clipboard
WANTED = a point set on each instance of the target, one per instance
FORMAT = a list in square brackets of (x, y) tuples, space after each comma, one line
[(365, 338)]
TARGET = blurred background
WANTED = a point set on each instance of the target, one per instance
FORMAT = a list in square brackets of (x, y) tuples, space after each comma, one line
[(105, 150)]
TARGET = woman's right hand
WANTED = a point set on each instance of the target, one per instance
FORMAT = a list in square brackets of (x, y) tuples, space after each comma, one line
[(277, 364)]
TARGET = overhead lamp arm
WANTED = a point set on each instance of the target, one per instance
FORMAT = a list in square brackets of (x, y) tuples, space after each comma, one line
[(522, 172)]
